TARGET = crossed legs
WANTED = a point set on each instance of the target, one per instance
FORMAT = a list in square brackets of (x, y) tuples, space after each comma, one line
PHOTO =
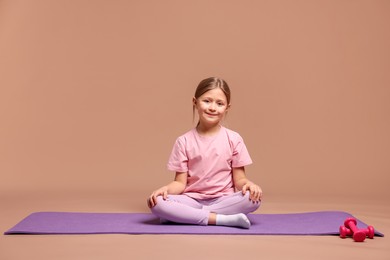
[(228, 210)]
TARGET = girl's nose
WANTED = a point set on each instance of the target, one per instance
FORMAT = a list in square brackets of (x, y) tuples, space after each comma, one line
[(212, 107)]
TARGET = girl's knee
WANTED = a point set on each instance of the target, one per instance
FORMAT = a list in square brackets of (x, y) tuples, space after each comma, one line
[(159, 207), (250, 205)]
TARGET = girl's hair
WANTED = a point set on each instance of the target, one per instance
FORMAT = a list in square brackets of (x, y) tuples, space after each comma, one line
[(209, 84)]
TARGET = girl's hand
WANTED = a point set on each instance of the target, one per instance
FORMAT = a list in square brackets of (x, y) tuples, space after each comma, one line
[(255, 192), (152, 200)]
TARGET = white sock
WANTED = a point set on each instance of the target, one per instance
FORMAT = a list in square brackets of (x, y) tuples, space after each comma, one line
[(236, 220)]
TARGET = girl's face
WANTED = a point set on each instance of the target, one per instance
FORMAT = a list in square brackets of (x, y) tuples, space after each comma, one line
[(211, 107)]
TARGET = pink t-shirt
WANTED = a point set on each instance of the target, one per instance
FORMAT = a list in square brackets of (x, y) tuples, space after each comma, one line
[(209, 161)]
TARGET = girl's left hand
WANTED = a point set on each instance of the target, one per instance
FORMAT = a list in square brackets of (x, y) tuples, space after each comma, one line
[(255, 192)]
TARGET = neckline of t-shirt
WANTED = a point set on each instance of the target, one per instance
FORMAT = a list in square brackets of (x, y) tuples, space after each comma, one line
[(208, 137)]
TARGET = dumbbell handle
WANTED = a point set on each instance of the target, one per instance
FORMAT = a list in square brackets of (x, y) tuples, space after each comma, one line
[(358, 235)]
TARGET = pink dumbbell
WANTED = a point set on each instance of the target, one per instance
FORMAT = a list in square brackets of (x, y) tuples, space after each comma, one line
[(359, 235), (345, 232), (369, 231)]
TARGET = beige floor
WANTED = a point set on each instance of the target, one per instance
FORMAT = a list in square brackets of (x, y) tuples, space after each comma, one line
[(17, 205)]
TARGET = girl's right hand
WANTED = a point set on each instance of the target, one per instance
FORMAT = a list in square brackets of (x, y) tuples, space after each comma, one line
[(152, 200)]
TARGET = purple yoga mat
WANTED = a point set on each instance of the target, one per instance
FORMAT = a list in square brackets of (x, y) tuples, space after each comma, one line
[(311, 223)]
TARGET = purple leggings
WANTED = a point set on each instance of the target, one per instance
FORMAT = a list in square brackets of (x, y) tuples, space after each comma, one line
[(183, 209)]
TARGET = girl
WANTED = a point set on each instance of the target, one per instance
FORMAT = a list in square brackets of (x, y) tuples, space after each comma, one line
[(210, 186)]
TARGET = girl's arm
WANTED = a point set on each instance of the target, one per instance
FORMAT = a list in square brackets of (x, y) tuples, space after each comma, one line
[(175, 187), (242, 183)]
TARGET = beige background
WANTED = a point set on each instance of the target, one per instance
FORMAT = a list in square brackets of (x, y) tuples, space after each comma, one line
[(94, 93)]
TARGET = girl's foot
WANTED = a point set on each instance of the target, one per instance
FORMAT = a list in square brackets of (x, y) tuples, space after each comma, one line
[(236, 220)]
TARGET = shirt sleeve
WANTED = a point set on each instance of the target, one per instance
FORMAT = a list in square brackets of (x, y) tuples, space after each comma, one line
[(241, 155), (178, 160)]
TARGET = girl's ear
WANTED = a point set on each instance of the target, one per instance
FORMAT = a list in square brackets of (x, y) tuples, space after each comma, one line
[(194, 101), (228, 107)]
